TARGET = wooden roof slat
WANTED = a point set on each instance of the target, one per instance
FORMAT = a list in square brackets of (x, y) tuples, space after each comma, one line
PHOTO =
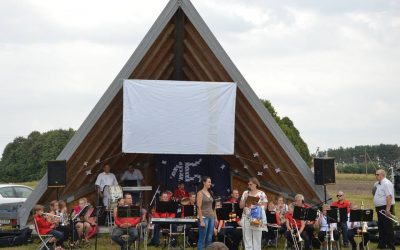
[(97, 152), (271, 155), (200, 63), (164, 40), (197, 41)]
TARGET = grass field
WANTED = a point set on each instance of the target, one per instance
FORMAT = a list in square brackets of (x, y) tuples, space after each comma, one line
[(357, 188)]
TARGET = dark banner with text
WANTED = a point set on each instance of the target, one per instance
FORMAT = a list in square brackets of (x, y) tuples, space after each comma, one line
[(170, 169)]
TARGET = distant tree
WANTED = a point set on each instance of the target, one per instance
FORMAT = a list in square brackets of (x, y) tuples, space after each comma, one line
[(385, 154), (290, 131), (25, 159)]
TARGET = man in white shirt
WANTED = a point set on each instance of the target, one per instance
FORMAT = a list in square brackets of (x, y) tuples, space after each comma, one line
[(104, 179), (132, 174), (133, 177), (384, 200)]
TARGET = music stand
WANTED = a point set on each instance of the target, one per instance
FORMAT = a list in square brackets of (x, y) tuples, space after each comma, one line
[(271, 217), (82, 212), (299, 213), (367, 215), (189, 210), (311, 214), (361, 215), (166, 207), (331, 216), (342, 217), (223, 213), (128, 212)]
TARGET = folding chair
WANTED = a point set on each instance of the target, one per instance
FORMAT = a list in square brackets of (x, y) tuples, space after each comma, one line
[(44, 238)]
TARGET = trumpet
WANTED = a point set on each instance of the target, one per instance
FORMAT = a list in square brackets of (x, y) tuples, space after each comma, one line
[(52, 215), (364, 228), (331, 234), (390, 217)]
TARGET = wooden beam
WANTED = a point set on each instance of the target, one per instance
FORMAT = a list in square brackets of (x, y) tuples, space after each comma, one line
[(178, 48)]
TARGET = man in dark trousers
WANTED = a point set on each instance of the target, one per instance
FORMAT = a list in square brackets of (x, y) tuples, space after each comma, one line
[(384, 202)]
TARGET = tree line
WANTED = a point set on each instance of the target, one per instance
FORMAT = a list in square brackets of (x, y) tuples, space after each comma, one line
[(360, 159), (25, 159)]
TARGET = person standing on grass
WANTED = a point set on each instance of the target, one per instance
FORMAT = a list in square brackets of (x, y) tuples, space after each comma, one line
[(206, 213), (384, 201)]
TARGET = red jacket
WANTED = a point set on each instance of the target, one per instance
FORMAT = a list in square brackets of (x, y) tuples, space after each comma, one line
[(289, 217), (179, 194), (344, 204), (131, 220), (232, 200), (278, 220), (163, 215), (43, 225)]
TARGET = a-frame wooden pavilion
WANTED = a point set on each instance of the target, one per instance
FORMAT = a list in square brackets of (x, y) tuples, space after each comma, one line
[(180, 46)]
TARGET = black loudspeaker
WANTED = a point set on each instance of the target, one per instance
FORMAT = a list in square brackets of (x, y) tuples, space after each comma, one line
[(324, 171), (56, 173), (397, 183)]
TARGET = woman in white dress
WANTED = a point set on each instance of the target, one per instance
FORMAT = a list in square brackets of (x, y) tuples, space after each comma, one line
[(252, 233)]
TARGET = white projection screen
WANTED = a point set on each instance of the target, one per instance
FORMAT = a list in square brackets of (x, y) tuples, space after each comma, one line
[(178, 117)]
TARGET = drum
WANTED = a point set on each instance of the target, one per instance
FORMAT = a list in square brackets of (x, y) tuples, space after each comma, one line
[(185, 201), (112, 194)]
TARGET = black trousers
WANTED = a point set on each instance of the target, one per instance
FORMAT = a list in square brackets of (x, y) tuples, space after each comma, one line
[(385, 228)]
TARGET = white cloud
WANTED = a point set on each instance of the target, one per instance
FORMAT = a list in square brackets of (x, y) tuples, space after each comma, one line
[(331, 66)]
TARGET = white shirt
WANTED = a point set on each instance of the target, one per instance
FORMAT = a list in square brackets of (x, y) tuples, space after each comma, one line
[(104, 179), (260, 194), (135, 175), (323, 226), (384, 189), (349, 223), (262, 199)]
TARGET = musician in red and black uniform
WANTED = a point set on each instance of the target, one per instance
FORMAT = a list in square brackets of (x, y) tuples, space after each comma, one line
[(234, 196), (125, 226), (292, 226), (342, 203), (180, 191), (309, 225), (155, 241), (232, 233)]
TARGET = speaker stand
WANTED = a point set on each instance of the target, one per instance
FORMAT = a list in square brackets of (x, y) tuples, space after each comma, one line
[(325, 201)]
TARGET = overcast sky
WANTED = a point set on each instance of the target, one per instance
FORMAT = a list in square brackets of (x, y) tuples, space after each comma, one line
[(333, 67)]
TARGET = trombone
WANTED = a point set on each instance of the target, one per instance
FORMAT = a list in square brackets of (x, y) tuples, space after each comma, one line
[(295, 241), (390, 217)]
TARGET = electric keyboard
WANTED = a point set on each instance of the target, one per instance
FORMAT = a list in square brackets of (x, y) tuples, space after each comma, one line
[(142, 188), (173, 220)]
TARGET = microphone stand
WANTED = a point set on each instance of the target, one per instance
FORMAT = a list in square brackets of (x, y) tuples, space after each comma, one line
[(154, 196)]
